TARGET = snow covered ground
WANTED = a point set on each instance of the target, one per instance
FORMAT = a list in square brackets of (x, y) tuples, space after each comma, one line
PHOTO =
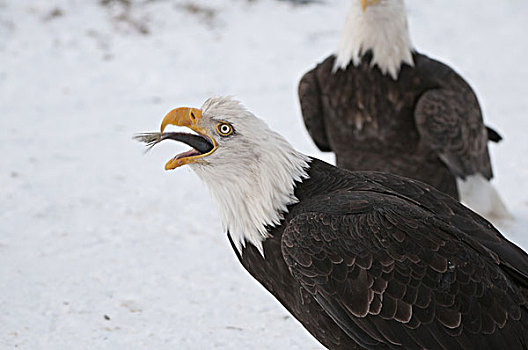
[(102, 249)]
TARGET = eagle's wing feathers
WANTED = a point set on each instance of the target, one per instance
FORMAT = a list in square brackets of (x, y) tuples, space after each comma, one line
[(449, 121), (388, 275), (312, 110)]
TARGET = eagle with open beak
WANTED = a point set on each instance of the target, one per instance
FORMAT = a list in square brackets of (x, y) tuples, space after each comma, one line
[(364, 260)]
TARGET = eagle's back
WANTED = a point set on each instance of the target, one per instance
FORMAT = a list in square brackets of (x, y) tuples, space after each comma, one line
[(325, 182), (368, 118)]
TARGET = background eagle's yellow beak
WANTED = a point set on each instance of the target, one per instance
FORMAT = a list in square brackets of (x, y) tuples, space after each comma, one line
[(366, 3)]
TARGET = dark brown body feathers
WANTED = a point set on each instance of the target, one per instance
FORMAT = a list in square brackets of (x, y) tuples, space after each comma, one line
[(425, 125), (376, 261)]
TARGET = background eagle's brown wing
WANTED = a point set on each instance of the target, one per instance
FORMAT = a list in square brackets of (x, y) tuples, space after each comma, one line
[(390, 275), (312, 110), (449, 121)]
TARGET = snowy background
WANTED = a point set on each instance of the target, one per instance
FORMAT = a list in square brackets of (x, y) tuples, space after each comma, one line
[(102, 249)]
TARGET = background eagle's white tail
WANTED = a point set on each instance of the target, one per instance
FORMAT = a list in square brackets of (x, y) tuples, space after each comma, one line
[(479, 194)]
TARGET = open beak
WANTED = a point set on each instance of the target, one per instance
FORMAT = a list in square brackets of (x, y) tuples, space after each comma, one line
[(202, 144)]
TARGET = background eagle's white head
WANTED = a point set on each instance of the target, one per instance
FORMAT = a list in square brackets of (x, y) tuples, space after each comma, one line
[(379, 26), (250, 170)]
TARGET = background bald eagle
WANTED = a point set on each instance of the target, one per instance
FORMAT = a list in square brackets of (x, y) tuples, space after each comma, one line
[(361, 259), (380, 105)]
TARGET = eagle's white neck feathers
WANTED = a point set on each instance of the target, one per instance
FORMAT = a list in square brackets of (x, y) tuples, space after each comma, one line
[(252, 175), (383, 29)]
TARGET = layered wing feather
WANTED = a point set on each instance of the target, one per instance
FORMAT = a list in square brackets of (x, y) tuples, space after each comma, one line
[(391, 273), (449, 121)]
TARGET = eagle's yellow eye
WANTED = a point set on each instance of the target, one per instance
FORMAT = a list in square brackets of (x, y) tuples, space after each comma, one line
[(224, 129)]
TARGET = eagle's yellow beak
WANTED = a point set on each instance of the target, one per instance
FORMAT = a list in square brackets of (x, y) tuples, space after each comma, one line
[(183, 116), (189, 117), (366, 3)]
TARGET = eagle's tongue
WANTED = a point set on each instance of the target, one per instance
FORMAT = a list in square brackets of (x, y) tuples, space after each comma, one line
[(189, 153)]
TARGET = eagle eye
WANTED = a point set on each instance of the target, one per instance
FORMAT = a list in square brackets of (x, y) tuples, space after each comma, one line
[(224, 129)]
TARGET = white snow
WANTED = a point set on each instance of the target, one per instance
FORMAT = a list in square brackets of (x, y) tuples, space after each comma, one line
[(90, 226)]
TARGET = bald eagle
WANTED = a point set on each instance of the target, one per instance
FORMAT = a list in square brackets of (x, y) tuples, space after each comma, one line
[(380, 105), (364, 260)]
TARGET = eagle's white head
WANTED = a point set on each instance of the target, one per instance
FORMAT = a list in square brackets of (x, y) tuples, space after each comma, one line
[(250, 170), (379, 26)]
